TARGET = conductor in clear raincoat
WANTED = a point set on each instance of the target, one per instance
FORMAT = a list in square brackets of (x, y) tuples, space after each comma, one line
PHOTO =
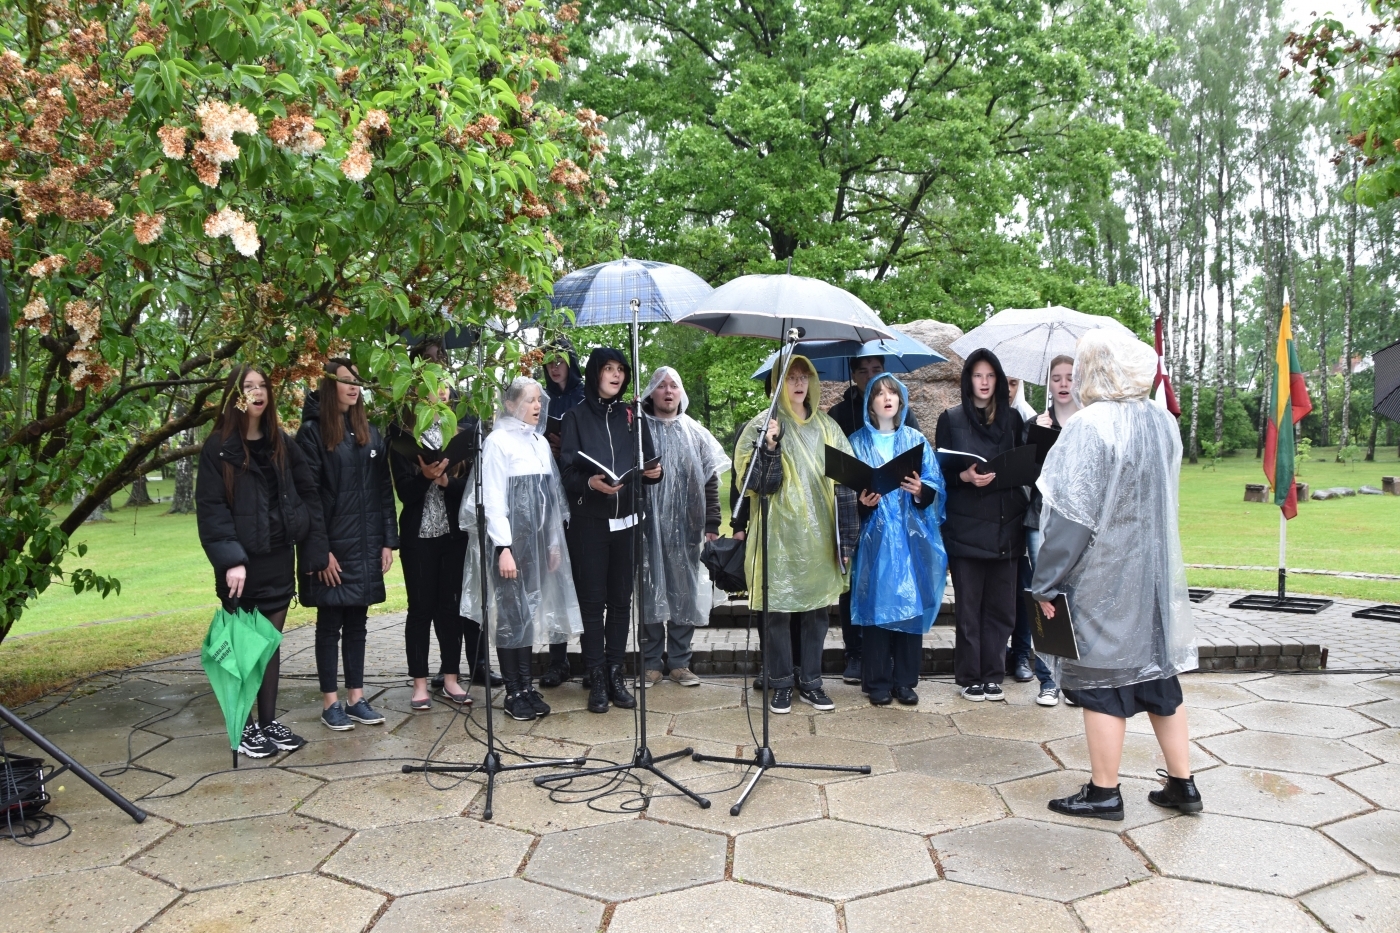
[(680, 513), (530, 589), (1110, 545)]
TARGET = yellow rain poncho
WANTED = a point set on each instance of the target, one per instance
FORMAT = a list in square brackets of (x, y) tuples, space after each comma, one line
[(804, 569)]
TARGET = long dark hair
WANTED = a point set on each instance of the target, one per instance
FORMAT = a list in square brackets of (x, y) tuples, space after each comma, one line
[(332, 424), (234, 419)]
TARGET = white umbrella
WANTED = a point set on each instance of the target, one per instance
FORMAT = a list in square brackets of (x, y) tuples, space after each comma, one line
[(1025, 340), (770, 305)]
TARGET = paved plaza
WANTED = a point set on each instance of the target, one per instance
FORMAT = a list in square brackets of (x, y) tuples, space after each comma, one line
[(1300, 773)]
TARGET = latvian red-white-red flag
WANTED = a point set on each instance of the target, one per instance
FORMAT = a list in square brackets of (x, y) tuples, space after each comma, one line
[(1166, 397)]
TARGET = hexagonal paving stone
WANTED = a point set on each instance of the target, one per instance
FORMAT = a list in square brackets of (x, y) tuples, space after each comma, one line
[(1028, 723), (1299, 719), (881, 725), (436, 854), (243, 793), (216, 854), (1302, 799), (197, 755), (305, 903), (1225, 850), (386, 799), (109, 899), (1193, 908), (507, 906), (1276, 752), (974, 758), (1207, 695), (306, 720), (913, 803), (1380, 784), (521, 749), (681, 769), (1383, 744), (1060, 863), (947, 907), (1387, 711), (858, 860), (775, 802), (1142, 756), (198, 717), (1374, 838), (96, 747), (736, 727), (98, 838), (100, 711), (1202, 722), (1384, 686), (621, 861), (521, 805), (358, 754), (1324, 690), (71, 795), (824, 750), (587, 728), (673, 698), (1028, 798), (1366, 905), (714, 908)]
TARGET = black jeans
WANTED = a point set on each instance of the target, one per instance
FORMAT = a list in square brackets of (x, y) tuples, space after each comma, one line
[(432, 574), (341, 629), (602, 562), (891, 659), (778, 642), (853, 636), (985, 614), (1022, 646)]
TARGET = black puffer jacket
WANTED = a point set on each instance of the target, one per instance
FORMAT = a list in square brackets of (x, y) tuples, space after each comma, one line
[(561, 400), (357, 502), (603, 430), (982, 522), (230, 531)]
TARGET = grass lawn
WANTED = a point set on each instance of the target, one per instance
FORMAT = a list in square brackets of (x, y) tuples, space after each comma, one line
[(167, 593)]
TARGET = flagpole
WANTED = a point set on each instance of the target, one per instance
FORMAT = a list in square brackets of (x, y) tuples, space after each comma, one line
[(1282, 552)]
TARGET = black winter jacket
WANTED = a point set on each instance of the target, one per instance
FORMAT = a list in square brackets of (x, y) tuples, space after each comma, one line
[(561, 400), (231, 531), (412, 486), (603, 430), (849, 413), (981, 522), (357, 502)]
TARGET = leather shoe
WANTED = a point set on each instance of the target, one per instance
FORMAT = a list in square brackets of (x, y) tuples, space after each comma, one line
[(479, 675), (1023, 673), (1178, 794), (555, 675), (617, 688), (906, 696), (1100, 803), (597, 680)]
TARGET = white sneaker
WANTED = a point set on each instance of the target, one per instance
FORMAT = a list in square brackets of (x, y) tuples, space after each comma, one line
[(1049, 696)]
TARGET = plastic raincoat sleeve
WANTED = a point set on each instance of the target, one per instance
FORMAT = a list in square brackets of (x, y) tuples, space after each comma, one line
[(1114, 471), (495, 483)]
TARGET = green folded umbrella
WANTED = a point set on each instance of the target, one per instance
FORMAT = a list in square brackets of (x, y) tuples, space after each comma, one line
[(234, 655)]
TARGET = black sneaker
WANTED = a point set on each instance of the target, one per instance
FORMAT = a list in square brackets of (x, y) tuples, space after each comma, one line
[(780, 701), (361, 711), (537, 702), (851, 674), (1049, 695), (816, 698), (255, 744), (333, 717), (993, 692), (518, 706), (973, 693), (284, 738), (906, 696)]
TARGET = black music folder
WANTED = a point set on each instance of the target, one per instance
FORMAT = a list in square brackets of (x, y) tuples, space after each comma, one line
[(1043, 438), (1054, 635), (1015, 467), (617, 479), (856, 474)]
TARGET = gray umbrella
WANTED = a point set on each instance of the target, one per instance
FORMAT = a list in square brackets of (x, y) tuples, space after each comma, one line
[(770, 305), (1387, 397)]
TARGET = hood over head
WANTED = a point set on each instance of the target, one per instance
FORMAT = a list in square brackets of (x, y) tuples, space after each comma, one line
[(572, 377), (596, 360), (661, 373), (1001, 394), (903, 400), (814, 390)]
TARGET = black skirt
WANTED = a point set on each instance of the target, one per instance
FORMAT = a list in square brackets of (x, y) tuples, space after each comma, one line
[(270, 585), (1158, 697)]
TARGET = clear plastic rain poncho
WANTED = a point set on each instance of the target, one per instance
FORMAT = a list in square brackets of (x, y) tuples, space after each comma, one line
[(900, 567), (804, 569), (1114, 470), (677, 587), (525, 510)]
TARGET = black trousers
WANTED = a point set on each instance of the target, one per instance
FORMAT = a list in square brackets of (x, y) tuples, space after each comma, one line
[(602, 562), (853, 636), (985, 614), (778, 644), (341, 629), (432, 574), (891, 658), (515, 667)]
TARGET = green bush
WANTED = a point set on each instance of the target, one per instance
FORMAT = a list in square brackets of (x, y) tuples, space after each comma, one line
[(1239, 432)]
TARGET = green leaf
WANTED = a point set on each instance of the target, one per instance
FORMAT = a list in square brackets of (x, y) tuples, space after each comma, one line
[(287, 84), (170, 77), (139, 51)]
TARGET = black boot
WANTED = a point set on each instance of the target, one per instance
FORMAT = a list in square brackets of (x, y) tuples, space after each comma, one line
[(555, 674), (597, 690), (1178, 794), (617, 688), (1100, 803)]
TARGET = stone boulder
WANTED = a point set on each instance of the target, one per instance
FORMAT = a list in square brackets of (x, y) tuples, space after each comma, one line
[(931, 389)]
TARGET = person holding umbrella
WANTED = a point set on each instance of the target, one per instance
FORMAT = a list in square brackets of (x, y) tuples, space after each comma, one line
[(563, 386), (984, 531)]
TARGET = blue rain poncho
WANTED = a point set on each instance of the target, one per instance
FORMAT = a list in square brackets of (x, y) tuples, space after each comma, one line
[(900, 567)]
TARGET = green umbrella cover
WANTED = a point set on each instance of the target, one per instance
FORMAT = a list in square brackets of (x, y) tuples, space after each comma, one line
[(234, 655)]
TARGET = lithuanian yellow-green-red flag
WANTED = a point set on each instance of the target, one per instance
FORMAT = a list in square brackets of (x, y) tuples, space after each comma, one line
[(1288, 405)]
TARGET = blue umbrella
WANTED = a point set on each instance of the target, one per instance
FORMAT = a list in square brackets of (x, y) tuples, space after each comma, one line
[(603, 293), (902, 353)]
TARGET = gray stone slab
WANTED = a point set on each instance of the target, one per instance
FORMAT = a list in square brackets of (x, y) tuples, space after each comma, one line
[(1027, 723), (437, 854), (1274, 751), (357, 754), (304, 903), (1370, 904), (108, 899), (523, 806), (949, 907), (723, 908), (99, 838), (913, 803), (1142, 756), (1300, 719), (387, 799), (620, 861), (102, 710), (215, 854), (673, 698), (1384, 686), (737, 727), (1383, 744), (243, 793), (1060, 863), (1380, 784), (507, 906), (775, 802), (587, 728), (106, 746), (1192, 908), (1201, 722), (858, 860), (197, 755), (883, 725), (1280, 797), (1374, 838), (1227, 850), (1386, 711), (974, 758), (1028, 798), (824, 750), (1213, 695), (1320, 689), (71, 795)]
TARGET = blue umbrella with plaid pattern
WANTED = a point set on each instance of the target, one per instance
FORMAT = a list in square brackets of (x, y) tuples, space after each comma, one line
[(603, 293)]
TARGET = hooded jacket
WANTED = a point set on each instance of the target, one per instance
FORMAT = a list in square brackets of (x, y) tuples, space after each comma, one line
[(603, 430), (357, 503), (982, 522), (561, 400), (849, 413)]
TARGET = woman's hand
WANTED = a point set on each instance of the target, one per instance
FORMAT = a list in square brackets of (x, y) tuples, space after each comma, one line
[(913, 485), (740, 535), (869, 499), (506, 563), (386, 559), (432, 470), (442, 480), (331, 575), (771, 436), (554, 558), (235, 577), (1047, 608), (653, 473), (970, 475), (1044, 420), (599, 483)]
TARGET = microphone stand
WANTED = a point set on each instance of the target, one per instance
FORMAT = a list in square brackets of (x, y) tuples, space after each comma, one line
[(763, 758), (642, 758)]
